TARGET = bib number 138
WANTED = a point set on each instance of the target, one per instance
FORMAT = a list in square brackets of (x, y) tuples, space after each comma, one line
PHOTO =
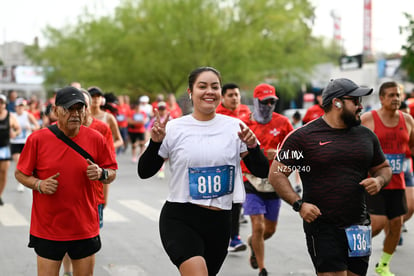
[(211, 182)]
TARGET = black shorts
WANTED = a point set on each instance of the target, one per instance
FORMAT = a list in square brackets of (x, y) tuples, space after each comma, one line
[(188, 230), (390, 203), (328, 249), (56, 250), (16, 148), (134, 136)]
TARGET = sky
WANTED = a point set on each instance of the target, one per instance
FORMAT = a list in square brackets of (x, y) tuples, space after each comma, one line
[(22, 20)]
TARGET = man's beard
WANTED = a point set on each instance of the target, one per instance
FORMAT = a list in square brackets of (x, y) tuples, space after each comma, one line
[(349, 118)]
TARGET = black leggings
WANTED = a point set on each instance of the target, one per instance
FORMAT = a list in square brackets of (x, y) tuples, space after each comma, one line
[(188, 230)]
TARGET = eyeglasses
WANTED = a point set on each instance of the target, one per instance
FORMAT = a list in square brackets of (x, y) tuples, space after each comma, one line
[(268, 101), (356, 100)]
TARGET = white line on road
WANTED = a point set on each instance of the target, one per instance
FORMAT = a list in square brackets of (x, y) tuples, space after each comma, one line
[(113, 216), (141, 208), (9, 216)]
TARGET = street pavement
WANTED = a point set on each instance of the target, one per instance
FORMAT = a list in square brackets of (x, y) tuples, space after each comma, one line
[(131, 243)]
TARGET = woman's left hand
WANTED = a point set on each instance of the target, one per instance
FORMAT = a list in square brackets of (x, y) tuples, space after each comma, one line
[(247, 136)]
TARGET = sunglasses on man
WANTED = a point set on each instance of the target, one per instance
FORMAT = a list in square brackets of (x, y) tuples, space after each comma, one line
[(268, 101), (355, 100)]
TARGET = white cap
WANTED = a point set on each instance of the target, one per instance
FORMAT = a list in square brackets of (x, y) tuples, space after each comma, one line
[(144, 99), (3, 97)]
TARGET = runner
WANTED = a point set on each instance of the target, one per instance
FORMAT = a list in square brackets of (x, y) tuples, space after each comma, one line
[(334, 155), (262, 203), (204, 150), (395, 131)]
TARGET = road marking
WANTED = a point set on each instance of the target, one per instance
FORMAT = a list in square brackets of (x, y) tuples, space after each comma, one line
[(118, 270), (113, 216), (142, 209), (9, 216)]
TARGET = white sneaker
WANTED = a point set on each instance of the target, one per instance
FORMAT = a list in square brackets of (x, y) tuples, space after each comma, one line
[(20, 187)]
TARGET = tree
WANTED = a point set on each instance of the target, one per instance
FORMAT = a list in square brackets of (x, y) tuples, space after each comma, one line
[(407, 61), (150, 45)]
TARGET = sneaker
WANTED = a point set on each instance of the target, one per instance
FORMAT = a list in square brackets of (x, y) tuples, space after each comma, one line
[(404, 228), (252, 259), (383, 270), (134, 160), (401, 240), (20, 187), (161, 175), (263, 272), (242, 219), (236, 245)]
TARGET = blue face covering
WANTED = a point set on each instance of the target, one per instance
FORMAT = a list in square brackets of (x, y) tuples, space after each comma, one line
[(262, 113)]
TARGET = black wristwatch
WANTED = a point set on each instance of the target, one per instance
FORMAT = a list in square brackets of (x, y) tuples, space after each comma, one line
[(297, 205), (104, 175)]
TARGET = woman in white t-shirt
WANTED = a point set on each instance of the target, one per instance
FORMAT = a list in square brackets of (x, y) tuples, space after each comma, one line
[(28, 124), (204, 150)]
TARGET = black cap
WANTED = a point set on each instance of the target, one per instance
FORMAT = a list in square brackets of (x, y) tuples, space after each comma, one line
[(94, 90), (337, 88), (68, 96)]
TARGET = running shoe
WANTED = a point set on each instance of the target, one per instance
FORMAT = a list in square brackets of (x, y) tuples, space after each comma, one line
[(383, 270), (263, 272), (236, 245), (401, 240), (252, 259), (404, 228), (243, 219)]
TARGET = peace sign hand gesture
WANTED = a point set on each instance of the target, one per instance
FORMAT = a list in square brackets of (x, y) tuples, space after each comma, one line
[(158, 129)]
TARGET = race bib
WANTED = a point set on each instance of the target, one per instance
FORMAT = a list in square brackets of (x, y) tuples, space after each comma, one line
[(138, 117), (211, 182), (359, 240), (396, 162), (120, 117)]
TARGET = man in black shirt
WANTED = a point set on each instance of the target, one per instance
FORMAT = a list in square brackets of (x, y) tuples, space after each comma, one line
[(334, 155)]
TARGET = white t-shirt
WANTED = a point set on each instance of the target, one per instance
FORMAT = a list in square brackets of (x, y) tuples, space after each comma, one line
[(190, 143), (26, 128)]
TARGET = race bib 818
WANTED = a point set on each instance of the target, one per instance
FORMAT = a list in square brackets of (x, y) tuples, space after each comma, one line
[(211, 182)]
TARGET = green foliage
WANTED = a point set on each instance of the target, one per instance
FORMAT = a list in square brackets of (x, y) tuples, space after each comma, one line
[(407, 61), (151, 45)]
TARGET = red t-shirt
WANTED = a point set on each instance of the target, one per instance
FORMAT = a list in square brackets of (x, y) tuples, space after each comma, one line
[(175, 111), (242, 112), (106, 132), (270, 135), (71, 213), (313, 113), (137, 120), (122, 115), (394, 141)]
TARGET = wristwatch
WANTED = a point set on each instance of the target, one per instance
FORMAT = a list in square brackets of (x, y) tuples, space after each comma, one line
[(297, 205), (104, 175)]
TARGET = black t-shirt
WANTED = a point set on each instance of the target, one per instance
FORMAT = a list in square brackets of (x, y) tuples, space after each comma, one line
[(5, 131), (332, 163)]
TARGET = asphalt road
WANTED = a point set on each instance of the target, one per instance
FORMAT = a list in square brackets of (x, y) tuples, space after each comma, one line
[(131, 243)]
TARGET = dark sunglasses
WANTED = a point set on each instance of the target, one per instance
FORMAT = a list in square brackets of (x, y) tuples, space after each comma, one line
[(355, 100), (268, 101)]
